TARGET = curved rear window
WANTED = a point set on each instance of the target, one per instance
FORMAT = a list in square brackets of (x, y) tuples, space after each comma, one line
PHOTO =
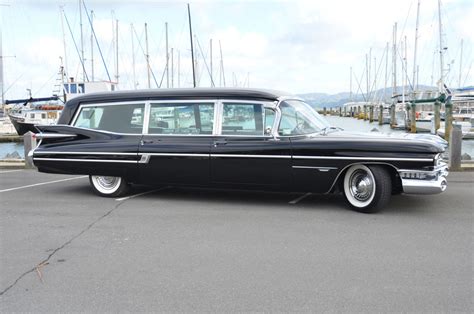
[(123, 118)]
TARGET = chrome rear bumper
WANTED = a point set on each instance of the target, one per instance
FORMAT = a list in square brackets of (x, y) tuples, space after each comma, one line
[(424, 182)]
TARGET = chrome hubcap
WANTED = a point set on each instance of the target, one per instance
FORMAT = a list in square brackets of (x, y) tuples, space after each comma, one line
[(107, 183), (361, 185)]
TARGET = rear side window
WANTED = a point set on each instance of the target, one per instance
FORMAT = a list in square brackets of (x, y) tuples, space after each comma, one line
[(123, 118), (181, 118)]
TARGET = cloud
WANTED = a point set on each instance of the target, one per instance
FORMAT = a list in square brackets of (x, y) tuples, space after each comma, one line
[(299, 46)]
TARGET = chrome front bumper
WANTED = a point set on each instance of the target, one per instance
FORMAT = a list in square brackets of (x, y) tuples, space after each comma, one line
[(424, 182)]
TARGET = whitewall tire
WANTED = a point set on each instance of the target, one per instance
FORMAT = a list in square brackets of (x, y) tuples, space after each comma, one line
[(108, 186), (367, 188)]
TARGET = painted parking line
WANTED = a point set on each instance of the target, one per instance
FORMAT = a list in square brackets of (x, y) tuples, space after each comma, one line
[(140, 194), (7, 171), (296, 200), (42, 183)]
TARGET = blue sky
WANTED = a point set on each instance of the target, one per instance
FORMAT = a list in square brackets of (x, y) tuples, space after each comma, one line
[(297, 46)]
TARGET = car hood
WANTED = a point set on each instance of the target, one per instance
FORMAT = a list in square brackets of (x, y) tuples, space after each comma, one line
[(429, 138), (375, 141)]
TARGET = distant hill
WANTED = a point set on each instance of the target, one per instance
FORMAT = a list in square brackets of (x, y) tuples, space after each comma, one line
[(320, 100)]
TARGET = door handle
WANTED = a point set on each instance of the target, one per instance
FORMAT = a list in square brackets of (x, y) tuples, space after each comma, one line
[(143, 142), (219, 143)]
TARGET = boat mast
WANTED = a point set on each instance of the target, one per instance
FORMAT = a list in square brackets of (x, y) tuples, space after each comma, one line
[(1, 69), (179, 68), (416, 45), (460, 64), (116, 52), (417, 75), (367, 77), (222, 64), (172, 67), (432, 68), (441, 48), (133, 59), (210, 57), (386, 73), (64, 40), (147, 56), (92, 45), (404, 70), (196, 62), (375, 80), (350, 86), (394, 60), (192, 49), (82, 42), (369, 74), (167, 57)]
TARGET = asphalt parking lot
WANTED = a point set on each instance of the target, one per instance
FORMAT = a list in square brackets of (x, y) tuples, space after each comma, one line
[(65, 249)]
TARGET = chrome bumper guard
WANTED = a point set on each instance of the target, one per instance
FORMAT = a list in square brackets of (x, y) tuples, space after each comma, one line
[(424, 182)]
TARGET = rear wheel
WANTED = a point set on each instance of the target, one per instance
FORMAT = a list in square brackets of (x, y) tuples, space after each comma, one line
[(367, 188), (109, 186)]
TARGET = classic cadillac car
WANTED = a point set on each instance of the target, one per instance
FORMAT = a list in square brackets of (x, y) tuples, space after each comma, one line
[(231, 138)]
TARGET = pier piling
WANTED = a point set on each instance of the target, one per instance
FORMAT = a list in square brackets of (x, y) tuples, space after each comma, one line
[(455, 144), (448, 120), (413, 118), (380, 114), (371, 114), (437, 116), (408, 117), (29, 142), (393, 122)]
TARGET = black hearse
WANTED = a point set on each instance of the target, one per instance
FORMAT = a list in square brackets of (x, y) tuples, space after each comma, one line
[(231, 138)]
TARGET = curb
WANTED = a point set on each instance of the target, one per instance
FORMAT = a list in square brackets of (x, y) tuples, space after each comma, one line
[(12, 164)]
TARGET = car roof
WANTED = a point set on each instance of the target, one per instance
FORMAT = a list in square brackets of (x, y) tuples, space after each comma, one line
[(171, 94)]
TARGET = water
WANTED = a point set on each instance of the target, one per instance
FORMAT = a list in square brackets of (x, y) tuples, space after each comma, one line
[(355, 125), (8, 148), (348, 124)]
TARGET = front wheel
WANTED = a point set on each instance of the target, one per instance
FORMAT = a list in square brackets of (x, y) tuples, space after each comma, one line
[(367, 188), (108, 186)]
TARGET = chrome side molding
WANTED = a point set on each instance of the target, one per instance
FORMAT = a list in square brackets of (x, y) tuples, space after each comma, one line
[(41, 136)]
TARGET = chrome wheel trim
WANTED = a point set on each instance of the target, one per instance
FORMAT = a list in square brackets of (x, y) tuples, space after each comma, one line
[(359, 186), (105, 184)]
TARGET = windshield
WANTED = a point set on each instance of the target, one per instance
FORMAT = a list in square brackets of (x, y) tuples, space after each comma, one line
[(297, 118)]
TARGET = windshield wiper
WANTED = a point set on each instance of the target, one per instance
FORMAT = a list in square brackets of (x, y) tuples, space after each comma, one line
[(328, 129)]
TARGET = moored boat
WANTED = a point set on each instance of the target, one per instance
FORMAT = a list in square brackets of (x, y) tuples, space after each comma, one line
[(34, 111)]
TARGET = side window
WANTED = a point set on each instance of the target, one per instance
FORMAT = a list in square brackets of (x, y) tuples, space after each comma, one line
[(181, 118), (137, 117), (269, 119), (206, 113), (126, 118), (243, 119)]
